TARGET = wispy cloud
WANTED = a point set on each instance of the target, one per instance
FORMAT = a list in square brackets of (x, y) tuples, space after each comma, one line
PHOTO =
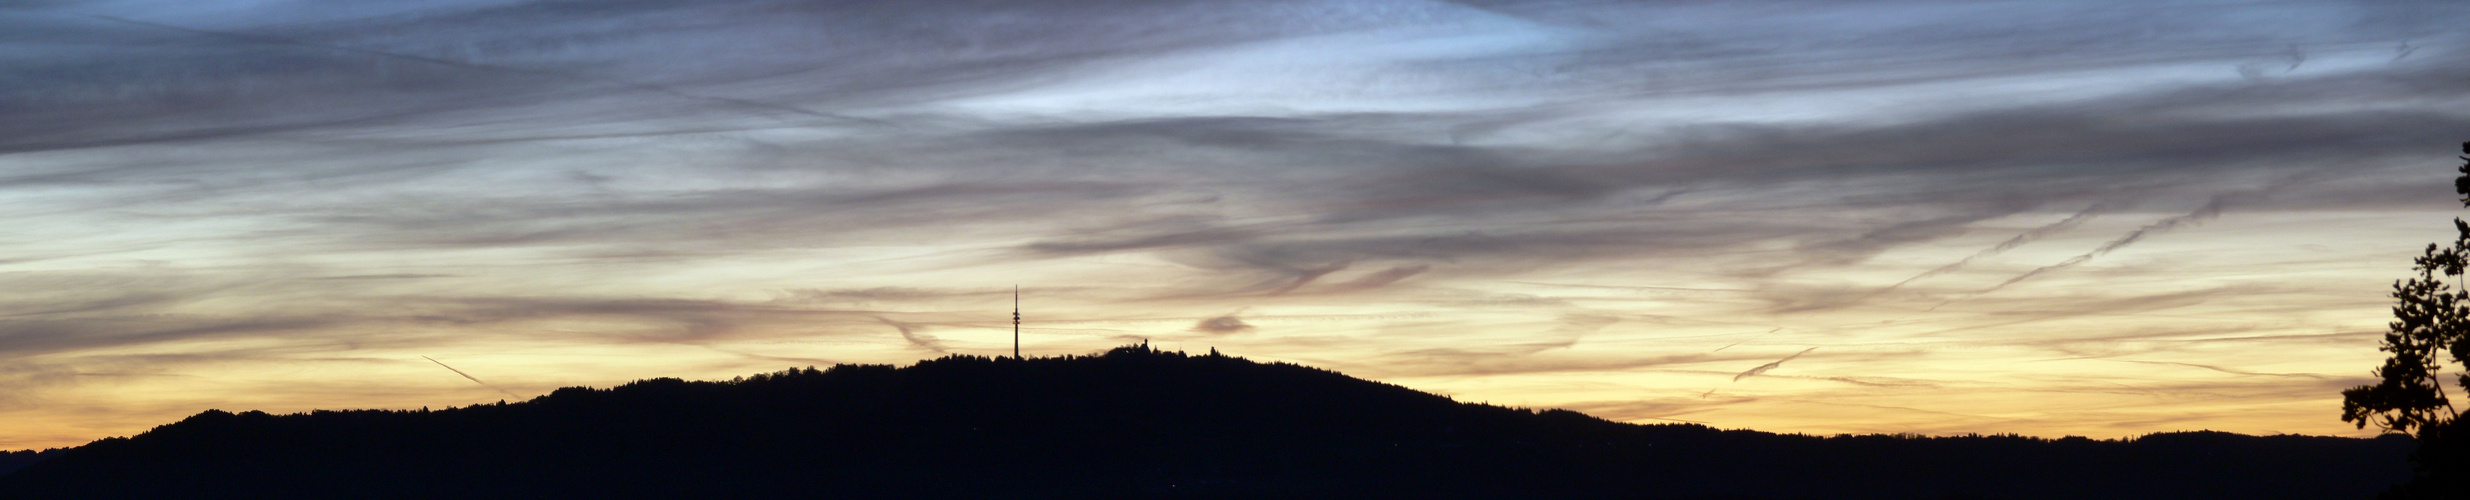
[(1753, 372), (910, 333), (2010, 244), (1746, 339), (2210, 210)]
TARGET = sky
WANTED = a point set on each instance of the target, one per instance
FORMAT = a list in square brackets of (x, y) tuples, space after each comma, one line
[(2046, 218)]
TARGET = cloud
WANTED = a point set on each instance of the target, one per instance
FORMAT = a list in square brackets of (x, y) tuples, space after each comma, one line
[(919, 340), (2210, 210), (1869, 243), (2010, 244), (645, 87), (395, 276), (1378, 279), (1144, 242), (1222, 325), (31, 337), (1746, 339), (1753, 372), (1665, 409), (2230, 371)]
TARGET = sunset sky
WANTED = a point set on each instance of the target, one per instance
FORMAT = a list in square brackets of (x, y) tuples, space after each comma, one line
[(2048, 218)]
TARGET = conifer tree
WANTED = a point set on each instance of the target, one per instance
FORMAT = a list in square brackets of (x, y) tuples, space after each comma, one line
[(2430, 322)]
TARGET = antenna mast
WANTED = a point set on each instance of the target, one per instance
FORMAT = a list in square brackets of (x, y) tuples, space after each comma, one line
[(1016, 322)]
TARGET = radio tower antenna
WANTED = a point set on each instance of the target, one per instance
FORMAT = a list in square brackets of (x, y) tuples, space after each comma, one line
[(1016, 322)]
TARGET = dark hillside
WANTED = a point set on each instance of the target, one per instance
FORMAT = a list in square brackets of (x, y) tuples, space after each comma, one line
[(1132, 422), (10, 461)]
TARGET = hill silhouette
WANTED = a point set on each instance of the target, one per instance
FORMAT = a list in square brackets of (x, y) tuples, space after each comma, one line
[(1133, 422), (10, 461)]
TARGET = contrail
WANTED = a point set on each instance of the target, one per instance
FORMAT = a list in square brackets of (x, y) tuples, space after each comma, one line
[(646, 87), (1769, 366), (467, 376), (1738, 342), (2210, 210), (2002, 247)]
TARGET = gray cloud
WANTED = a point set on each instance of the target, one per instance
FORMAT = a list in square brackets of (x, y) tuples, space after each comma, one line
[(1222, 325), (919, 340)]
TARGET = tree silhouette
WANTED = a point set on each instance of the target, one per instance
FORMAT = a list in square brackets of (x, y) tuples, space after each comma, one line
[(2432, 317)]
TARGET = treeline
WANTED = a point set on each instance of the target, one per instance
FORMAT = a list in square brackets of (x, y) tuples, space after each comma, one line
[(10, 461), (1133, 422)]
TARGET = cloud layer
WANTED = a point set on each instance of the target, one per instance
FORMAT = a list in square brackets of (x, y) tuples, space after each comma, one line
[(1606, 206)]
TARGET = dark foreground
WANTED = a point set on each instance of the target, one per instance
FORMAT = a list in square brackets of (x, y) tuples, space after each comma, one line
[(1132, 423)]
